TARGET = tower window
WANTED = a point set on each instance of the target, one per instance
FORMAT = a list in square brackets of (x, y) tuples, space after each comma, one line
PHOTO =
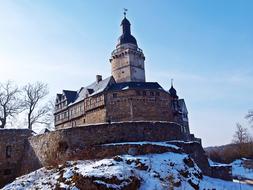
[(8, 152)]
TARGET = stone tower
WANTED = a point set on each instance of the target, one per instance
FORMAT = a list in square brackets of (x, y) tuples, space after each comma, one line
[(127, 60)]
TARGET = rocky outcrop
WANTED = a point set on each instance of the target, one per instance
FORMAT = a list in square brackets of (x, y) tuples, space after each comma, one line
[(126, 172)]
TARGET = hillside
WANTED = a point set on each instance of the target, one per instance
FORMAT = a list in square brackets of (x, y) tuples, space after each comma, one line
[(229, 152), (150, 171)]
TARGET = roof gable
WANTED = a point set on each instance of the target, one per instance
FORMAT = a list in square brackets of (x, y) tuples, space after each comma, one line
[(94, 88)]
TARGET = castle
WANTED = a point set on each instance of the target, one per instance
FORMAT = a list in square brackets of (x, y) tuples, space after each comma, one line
[(92, 123), (124, 96)]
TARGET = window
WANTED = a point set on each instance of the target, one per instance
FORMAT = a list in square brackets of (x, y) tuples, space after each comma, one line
[(151, 93), (8, 152), (157, 94), (144, 93), (114, 95)]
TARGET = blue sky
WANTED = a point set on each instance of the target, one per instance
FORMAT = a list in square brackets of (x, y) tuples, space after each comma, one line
[(205, 46)]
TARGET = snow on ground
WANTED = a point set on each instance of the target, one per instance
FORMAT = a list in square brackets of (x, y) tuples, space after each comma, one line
[(148, 172), (144, 143), (154, 171), (218, 184), (239, 168), (240, 171)]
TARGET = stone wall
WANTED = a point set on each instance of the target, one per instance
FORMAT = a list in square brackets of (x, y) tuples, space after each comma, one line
[(89, 110), (50, 148), (12, 149), (222, 172), (95, 116), (127, 64), (133, 105), (28, 153)]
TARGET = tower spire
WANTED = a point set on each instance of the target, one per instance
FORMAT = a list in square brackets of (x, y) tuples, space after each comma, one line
[(126, 36), (127, 59), (172, 82)]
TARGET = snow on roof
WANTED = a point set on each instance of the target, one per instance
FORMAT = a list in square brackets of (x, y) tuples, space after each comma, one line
[(92, 89)]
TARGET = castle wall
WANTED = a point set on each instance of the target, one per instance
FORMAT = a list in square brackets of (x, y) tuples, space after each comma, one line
[(89, 110), (139, 105), (12, 148), (29, 153), (61, 145), (96, 116)]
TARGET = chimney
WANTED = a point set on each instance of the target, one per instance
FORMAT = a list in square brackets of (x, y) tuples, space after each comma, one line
[(98, 78)]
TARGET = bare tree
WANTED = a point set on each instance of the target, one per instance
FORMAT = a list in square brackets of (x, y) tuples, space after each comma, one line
[(241, 135), (50, 115), (33, 96), (249, 116), (10, 104), (242, 141)]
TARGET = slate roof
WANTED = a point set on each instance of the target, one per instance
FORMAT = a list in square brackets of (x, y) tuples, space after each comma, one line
[(135, 85), (182, 105), (173, 92), (93, 89), (108, 84), (70, 95), (126, 36)]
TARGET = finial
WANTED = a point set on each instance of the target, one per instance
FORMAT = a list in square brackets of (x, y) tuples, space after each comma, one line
[(171, 82), (125, 11)]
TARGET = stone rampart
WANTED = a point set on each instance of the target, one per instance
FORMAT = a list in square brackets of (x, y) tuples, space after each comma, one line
[(22, 153), (12, 148), (52, 147)]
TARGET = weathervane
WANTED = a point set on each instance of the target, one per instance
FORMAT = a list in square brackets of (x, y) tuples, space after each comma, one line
[(125, 11)]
